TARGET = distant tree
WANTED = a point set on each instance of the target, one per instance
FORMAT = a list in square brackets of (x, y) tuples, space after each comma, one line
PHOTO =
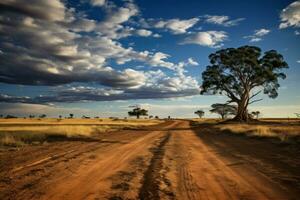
[(156, 117), (10, 116), (138, 112), (237, 72), (60, 116), (151, 116), (224, 110), (297, 115), (256, 114), (200, 113), (1, 116), (85, 117), (71, 115), (43, 116), (31, 116)]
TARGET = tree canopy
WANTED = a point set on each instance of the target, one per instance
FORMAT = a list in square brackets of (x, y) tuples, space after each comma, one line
[(138, 112), (200, 113), (256, 113), (242, 74), (224, 110)]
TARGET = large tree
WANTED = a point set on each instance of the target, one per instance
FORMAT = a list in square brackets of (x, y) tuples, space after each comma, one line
[(138, 112), (241, 74), (224, 110)]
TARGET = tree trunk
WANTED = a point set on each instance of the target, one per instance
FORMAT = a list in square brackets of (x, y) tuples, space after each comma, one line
[(137, 116), (242, 112), (223, 116)]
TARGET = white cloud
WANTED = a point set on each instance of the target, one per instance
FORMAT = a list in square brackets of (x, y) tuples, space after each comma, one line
[(176, 26), (258, 34), (222, 20), (98, 2), (192, 62), (112, 26), (290, 16), (261, 32), (255, 39), (84, 25), (209, 38), (298, 61), (297, 32), (144, 32)]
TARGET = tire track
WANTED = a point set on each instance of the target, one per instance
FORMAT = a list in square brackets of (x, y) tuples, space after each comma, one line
[(187, 187), (150, 189)]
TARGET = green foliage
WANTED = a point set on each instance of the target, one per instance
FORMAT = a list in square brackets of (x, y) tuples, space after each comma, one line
[(235, 72), (200, 113), (42, 116), (138, 112), (224, 110), (256, 114)]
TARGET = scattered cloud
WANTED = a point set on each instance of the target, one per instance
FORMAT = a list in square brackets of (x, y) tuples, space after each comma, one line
[(36, 9), (112, 25), (152, 85), (212, 39), (176, 26), (261, 32), (144, 32), (298, 61), (191, 61), (297, 32), (222, 20), (46, 49), (97, 2), (258, 34), (290, 16)]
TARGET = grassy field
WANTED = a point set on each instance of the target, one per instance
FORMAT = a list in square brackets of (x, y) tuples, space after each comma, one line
[(19, 132), (286, 130)]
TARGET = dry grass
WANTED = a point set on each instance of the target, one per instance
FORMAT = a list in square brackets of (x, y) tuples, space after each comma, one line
[(198, 121), (19, 132), (283, 132), (54, 121), (287, 130)]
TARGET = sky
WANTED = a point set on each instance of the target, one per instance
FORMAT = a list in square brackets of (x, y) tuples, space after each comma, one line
[(100, 57)]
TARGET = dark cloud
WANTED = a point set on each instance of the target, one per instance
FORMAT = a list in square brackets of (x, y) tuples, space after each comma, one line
[(46, 43), (52, 10), (154, 85), (164, 88)]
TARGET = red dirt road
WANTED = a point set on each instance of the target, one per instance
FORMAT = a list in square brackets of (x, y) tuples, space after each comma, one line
[(167, 161)]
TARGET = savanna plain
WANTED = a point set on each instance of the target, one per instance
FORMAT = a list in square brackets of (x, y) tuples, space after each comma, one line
[(149, 159)]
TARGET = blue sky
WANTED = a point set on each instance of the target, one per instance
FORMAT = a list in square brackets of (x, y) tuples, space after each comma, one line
[(98, 57)]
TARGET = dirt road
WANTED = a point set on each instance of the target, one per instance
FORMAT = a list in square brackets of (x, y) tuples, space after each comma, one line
[(166, 161)]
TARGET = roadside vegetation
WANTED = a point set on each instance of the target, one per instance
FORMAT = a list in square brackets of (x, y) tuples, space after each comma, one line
[(284, 130), (19, 132)]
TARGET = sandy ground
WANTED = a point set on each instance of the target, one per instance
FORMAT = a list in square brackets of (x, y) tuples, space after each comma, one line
[(166, 161)]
